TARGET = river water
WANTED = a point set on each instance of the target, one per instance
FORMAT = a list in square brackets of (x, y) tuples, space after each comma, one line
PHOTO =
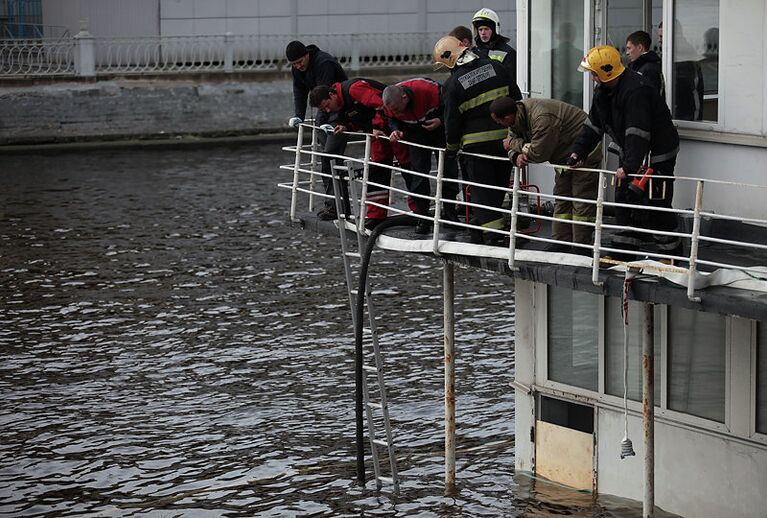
[(171, 346)]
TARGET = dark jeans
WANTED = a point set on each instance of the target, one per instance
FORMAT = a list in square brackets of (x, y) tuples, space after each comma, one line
[(332, 144)]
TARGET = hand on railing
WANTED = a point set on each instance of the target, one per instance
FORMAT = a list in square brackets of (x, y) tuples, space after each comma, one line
[(574, 161), (327, 128), (294, 122)]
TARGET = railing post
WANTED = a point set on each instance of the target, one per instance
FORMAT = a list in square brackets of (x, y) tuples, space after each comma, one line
[(514, 209), (694, 243), (313, 168), (438, 198), (364, 194), (448, 276), (296, 167), (228, 52), (598, 228), (85, 52), (355, 64)]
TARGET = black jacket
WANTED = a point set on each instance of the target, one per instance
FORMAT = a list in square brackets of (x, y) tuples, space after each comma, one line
[(637, 120), (648, 64), (498, 49), (323, 69), (468, 93)]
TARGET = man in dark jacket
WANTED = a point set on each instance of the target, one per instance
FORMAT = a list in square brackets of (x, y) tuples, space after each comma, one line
[(638, 121), (490, 44), (312, 67), (415, 112), (358, 104), (644, 60), (468, 92)]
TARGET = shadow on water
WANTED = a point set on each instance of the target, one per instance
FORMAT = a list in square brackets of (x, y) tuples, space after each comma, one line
[(170, 345)]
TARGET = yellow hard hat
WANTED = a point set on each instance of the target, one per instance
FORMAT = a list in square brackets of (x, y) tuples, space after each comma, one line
[(447, 51), (604, 61)]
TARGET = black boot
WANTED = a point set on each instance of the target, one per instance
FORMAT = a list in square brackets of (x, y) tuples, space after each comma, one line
[(422, 226)]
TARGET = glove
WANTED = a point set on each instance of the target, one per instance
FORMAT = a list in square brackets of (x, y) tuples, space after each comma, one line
[(294, 122), (327, 128), (572, 160)]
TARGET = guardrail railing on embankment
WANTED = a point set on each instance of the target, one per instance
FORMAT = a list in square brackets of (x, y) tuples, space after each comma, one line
[(307, 173), (86, 56)]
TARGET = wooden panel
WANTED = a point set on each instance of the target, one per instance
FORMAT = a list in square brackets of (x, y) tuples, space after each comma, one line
[(564, 455)]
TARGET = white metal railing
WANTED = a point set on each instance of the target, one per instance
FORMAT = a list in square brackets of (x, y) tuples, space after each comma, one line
[(37, 57), (218, 53), (306, 173)]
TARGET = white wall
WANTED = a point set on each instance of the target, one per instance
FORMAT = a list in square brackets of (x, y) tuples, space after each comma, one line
[(105, 18), (696, 474), (192, 17), (524, 373)]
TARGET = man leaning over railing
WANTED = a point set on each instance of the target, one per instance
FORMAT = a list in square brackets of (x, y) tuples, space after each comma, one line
[(358, 104), (415, 112), (544, 130), (311, 67), (638, 121)]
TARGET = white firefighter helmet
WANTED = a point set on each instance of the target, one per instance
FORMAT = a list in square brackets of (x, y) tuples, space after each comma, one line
[(486, 17)]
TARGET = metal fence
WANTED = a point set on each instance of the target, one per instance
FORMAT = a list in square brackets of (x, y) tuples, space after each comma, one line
[(87, 56), (743, 265)]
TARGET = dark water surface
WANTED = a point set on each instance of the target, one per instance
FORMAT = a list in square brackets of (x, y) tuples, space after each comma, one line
[(170, 346)]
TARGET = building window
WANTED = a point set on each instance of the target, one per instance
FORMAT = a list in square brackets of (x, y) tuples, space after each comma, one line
[(696, 365), (614, 349), (573, 330), (695, 53), (556, 48), (761, 378)]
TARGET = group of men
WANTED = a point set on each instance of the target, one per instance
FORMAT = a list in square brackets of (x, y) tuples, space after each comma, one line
[(480, 111)]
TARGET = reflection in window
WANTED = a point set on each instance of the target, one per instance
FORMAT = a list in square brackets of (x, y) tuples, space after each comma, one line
[(696, 60), (761, 378), (573, 320), (614, 349), (556, 48), (696, 370)]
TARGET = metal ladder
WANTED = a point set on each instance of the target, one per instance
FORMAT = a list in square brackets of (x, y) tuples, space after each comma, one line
[(352, 261)]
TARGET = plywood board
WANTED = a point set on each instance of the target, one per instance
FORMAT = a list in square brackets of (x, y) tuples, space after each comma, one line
[(564, 455)]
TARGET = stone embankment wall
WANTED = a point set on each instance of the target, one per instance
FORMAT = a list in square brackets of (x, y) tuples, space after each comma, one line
[(130, 109)]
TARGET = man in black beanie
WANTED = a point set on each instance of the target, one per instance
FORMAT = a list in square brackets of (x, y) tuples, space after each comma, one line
[(313, 67)]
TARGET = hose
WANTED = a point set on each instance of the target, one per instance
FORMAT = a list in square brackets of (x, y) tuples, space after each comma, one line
[(359, 314)]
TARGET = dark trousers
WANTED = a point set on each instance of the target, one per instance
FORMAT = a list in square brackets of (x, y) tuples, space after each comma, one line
[(421, 160), (660, 194), (490, 172), (335, 145)]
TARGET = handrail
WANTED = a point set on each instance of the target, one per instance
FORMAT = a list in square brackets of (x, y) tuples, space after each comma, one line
[(696, 236)]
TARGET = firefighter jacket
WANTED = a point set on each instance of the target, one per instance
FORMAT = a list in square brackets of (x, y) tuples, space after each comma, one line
[(323, 69), (424, 103), (648, 64), (637, 120), (468, 93), (545, 130), (498, 49), (362, 104)]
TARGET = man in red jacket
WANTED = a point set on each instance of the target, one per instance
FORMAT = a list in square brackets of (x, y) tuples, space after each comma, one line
[(358, 103), (415, 113)]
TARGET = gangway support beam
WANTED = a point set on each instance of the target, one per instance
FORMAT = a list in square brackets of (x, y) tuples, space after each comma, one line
[(448, 276)]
